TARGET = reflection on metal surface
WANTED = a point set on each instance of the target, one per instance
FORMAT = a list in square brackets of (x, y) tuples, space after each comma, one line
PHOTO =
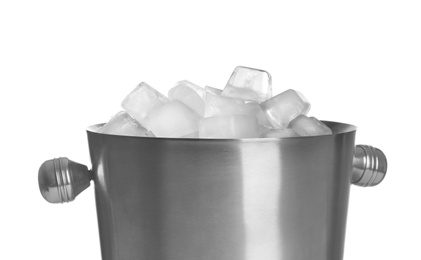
[(261, 185)]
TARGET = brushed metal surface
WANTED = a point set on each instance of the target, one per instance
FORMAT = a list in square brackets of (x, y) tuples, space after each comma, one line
[(198, 199)]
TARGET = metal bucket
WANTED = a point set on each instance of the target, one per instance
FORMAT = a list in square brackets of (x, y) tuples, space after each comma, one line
[(215, 199)]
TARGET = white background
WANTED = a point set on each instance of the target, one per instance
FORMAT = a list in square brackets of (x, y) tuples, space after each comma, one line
[(65, 65)]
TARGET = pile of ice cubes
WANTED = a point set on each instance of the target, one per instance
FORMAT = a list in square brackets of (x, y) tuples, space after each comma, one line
[(245, 108)]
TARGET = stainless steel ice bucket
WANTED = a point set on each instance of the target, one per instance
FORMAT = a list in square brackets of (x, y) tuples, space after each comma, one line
[(204, 199)]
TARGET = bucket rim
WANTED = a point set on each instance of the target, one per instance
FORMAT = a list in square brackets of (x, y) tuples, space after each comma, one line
[(338, 129)]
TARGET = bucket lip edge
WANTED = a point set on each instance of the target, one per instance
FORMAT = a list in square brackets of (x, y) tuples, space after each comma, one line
[(347, 128)]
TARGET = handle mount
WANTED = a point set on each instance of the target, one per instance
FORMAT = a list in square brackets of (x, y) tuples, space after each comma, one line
[(61, 180), (370, 166)]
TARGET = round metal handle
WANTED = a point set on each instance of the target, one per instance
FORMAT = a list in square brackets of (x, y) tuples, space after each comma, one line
[(370, 166), (61, 180)]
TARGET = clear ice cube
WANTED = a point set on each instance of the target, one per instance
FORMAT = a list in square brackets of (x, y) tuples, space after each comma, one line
[(283, 108), (190, 94), (200, 91), (279, 133), (123, 124), (232, 126), (216, 105), (142, 100), (249, 84), (261, 116), (212, 90), (173, 119), (308, 126)]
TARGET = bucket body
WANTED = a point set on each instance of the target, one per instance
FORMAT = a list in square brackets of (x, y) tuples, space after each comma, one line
[(208, 199)]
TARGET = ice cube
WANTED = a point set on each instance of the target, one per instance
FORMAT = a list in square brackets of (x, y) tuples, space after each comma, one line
[(283, 108), (249, 84), (261, 116), (232, 126), (200, 91), (279, 133), (216, 105), (173, 119), (306, 126), (142, 100), (212, 90), (123, 124), (190, 94)]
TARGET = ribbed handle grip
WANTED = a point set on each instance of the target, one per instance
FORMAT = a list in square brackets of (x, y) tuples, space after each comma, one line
[(370, 166), (61, 180)]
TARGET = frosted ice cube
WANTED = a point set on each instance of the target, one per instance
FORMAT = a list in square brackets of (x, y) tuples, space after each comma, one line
[(190, 94), (142, 100), (280, 133), (212, 90), (233, 126), (250, 84), (283, 108), (173, 119), (216, 105), (123, 124), (306, 126)]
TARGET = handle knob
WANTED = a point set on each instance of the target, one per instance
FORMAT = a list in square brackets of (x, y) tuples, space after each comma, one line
[(61, 180), (370, 166)]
